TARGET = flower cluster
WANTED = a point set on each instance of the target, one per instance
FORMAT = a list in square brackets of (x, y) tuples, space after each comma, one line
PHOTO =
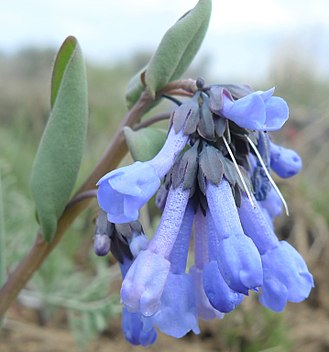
[(213, 177)]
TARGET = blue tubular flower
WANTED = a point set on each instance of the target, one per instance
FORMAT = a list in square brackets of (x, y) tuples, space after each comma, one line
[(205, 310), (256, 226), (132, 324), (133, 329), (144, 283), (256, 111), (220, 295), (238, 260), (272, 205), (285, 162), (177, 314), (286, 277), (124, 191)]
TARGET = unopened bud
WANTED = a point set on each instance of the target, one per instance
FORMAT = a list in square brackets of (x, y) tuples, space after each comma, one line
[(102, 244)]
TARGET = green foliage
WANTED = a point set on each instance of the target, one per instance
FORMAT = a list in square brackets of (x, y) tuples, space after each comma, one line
[(145, 143), (62, 60), (174, 54), (59, 155), (178, 47)]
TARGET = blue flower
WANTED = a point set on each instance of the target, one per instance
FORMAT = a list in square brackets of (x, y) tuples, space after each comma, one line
[(256, 226), (177, 314), (124, 191), (272, 205), (145, 281), (220, 295), (285, 162), (286, 277), (206, 311), (238, 259), (134, 331), (256, 111), (132, 324)]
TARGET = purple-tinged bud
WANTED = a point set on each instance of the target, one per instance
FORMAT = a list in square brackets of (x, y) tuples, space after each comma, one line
[(102, 245)]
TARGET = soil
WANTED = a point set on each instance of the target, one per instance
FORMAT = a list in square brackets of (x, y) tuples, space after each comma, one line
[(308, 328)]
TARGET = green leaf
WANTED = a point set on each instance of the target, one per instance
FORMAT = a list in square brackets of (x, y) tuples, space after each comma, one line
[(62, 59), (145, 143), (59, 155), (178, 47)]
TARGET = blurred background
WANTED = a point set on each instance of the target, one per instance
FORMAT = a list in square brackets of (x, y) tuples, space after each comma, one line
[(73, 298)]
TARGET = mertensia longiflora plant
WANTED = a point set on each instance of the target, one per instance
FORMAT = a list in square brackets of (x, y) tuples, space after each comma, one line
[(212, 182)]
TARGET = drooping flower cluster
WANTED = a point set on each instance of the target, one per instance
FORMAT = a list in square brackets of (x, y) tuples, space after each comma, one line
[(212, 175)]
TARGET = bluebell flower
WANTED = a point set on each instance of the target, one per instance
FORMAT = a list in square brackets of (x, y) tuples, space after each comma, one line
[(256, 226), (220, 295), (132, 324), (221, 186), (272, 205), (238, 260), (285, 162), (206, 311), (286, 277), (145, 281), (177, 313), (124, 191), (256, 111)]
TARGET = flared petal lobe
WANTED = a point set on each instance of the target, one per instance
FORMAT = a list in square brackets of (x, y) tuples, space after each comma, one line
[(144, 283), (178, 311), (220, 295), (123, 192), (238, 260), (256, 111), (133, 329), (284, 271)]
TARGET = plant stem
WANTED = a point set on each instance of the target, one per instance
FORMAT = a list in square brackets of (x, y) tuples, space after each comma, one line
[(154, 119), (41, 248), (110, 159)]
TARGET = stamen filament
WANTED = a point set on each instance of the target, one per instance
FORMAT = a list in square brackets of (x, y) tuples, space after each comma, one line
[(268, 174), (239, 173)]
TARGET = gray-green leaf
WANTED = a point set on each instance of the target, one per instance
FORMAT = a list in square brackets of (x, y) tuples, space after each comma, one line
[(145, 143), (59, 155), (178, 47)]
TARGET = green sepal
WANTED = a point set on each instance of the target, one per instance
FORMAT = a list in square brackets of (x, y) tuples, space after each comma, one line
[(59, 154), (178, 47), (144, 144)]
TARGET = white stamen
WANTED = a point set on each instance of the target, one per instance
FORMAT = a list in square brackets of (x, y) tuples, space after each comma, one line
[(268, 174), (239, 173)]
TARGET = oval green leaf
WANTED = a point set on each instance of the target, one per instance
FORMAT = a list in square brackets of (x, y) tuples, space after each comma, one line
[(59, 154), (178, 47), (145, 143)]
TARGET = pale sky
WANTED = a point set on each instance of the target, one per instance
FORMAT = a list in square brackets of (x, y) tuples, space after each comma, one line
[(242, 38)]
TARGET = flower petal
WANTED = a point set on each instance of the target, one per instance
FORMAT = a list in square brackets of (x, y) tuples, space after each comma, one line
[(178, 312), (277, 113), (144, 283), (247, 112)]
